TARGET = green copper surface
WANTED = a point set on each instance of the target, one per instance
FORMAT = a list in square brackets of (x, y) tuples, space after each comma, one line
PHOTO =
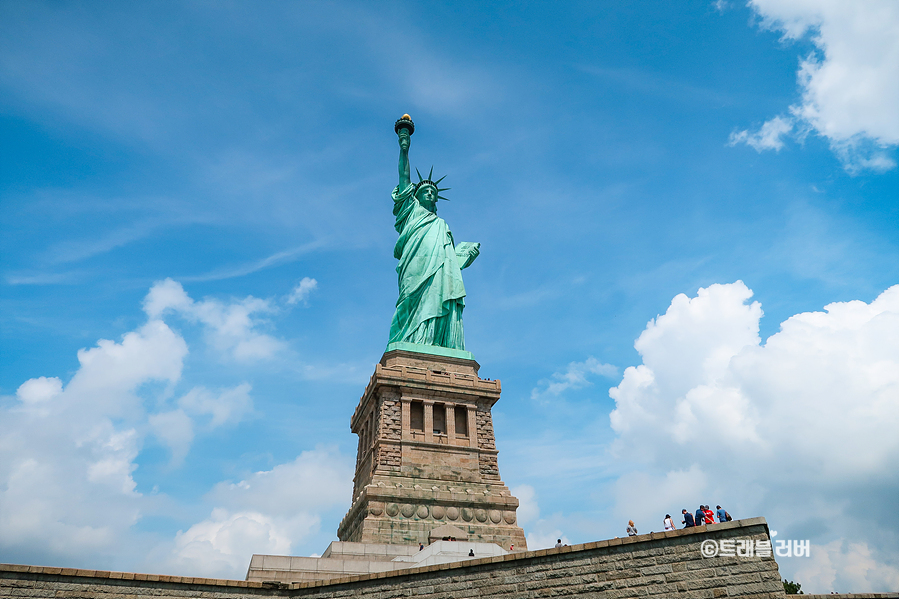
[(431, 350), (431, 293)]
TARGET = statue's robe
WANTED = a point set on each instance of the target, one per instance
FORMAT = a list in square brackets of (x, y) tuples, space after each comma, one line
[(432, 296)]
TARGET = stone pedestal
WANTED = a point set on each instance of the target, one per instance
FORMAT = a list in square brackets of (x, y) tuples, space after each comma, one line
[(427, 456)]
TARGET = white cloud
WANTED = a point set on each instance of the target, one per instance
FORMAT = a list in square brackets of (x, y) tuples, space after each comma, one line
[(769, 137), (546, 539), (267, 512), (276, 259), (166, 295), (574, 377), (849, 86), (638, 493), (176, 430), (844, 565), (222, 545), (301, 292), (541, 533), (316, 478), (39, 390), (800, 429), (67, 452), (109, 373), (528, 510), (229, 406), (231, 328)]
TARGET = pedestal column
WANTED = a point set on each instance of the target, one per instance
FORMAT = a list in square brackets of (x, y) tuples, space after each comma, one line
[(429, 421)]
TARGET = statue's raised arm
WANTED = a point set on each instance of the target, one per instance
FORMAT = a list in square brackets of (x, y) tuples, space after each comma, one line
[(431, 293), (404, 129)]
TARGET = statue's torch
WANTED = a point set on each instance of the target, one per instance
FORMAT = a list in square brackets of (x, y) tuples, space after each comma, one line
[(405, 122)]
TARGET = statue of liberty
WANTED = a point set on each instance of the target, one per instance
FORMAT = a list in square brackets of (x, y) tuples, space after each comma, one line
[(431, 293)]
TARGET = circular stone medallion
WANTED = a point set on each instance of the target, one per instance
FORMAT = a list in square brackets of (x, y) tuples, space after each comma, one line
[(481, 515), (467, 514), (495, 516), (376, 509), (437, 511), (392, 509), (453, 513), (422, 512), (509, 517), (408, 510)]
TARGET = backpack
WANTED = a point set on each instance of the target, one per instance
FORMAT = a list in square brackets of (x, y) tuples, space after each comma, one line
[(727, 517)]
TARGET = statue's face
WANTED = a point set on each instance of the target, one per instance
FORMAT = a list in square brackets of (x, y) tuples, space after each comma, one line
[(427, 195)]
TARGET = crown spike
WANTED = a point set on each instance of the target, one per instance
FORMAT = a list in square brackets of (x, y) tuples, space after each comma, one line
[(437, 182), (431, 174), (419, 175), (442, 198)]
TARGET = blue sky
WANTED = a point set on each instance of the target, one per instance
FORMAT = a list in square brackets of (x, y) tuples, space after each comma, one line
[(171, 173)]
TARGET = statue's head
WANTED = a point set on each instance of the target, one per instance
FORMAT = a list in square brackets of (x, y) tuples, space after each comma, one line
[(426, 191), (427, 196)]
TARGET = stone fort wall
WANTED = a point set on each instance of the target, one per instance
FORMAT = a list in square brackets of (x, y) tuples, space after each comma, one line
[(658, 564)]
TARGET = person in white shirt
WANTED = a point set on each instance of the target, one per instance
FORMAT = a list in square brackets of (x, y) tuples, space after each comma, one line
[(669, 523)]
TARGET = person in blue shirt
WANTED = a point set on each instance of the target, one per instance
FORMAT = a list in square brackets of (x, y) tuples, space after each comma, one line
[(688, 519), (700, 517), (722, 515)]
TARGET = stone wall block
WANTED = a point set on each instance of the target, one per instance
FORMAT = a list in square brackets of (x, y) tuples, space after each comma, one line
[(657, 569)]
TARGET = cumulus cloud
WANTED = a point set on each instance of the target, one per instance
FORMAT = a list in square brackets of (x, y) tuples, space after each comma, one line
[(542, 533), (175, 428), (229, 406), (267, 512), (231, 328), (222, 545), (39, 390), (68, 451), (574, 377), (800, 429), (37, 393), (848, 566), (849, 89), (528, 510), (301, 292)]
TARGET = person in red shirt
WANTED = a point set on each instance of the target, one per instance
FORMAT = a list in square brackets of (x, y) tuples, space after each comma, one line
[(709, 515)]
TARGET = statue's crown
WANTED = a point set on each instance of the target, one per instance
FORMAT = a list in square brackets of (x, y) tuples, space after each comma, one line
[(427, 181)]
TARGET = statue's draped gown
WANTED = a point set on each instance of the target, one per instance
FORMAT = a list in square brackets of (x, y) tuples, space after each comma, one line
[(432, 296)]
